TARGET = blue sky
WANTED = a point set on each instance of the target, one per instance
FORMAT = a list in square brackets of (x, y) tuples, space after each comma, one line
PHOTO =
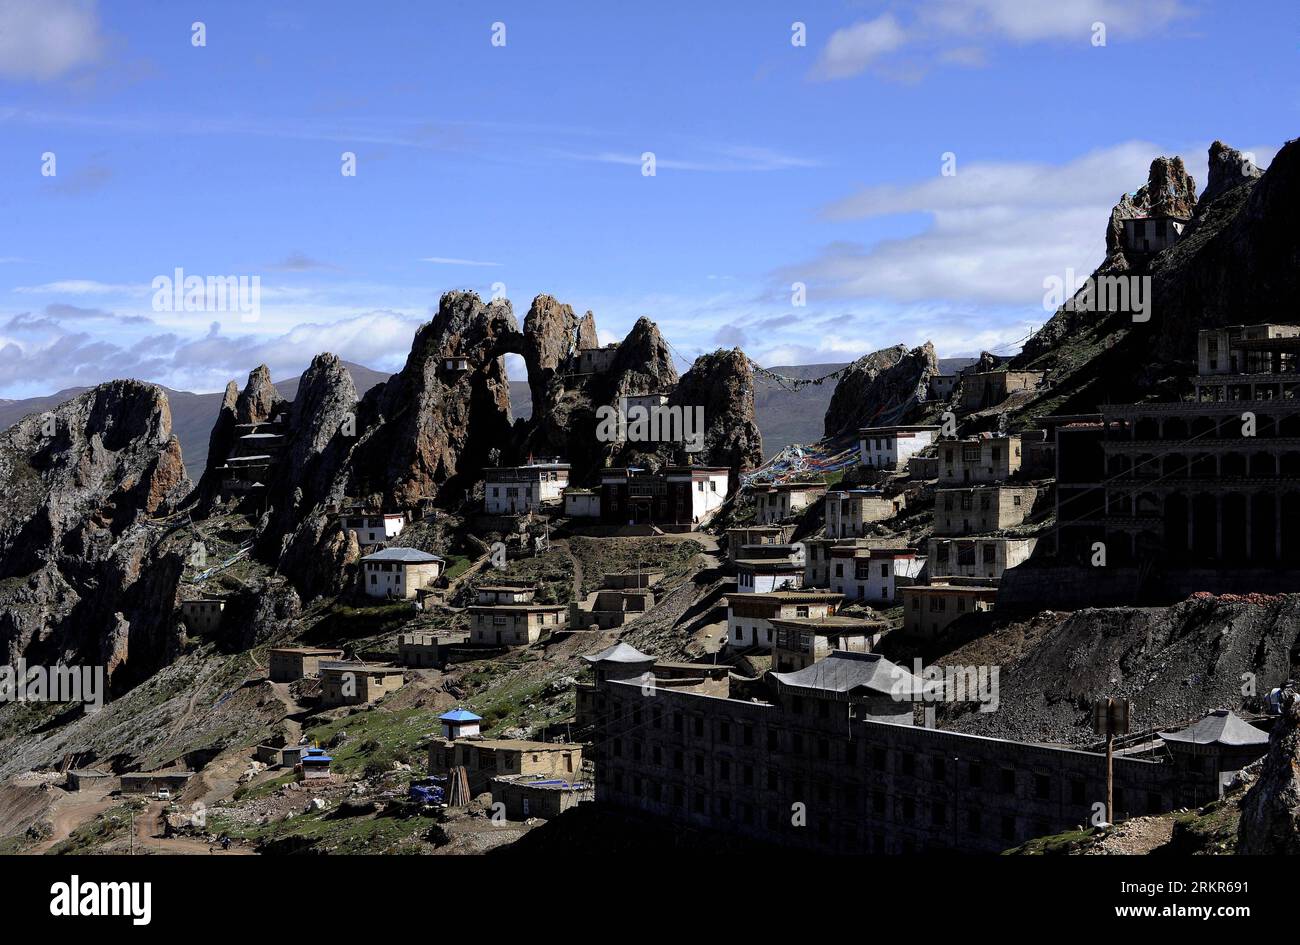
[(521, 165)]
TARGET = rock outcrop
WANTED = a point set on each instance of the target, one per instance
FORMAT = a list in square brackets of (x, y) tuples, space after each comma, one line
[(1270, 811), (723, 384), (259, 401), (1228, 169), (302, 535), (566, 406), (880, 389), (1169, 191), (84, 576), (430, 428)]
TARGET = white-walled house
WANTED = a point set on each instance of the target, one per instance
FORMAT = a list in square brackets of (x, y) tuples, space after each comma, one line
[(707, 486), (750, 616), (763, 575), (399, 572), (515, 490), (889, 448), (373, 528), (581, 503), (873, 575)]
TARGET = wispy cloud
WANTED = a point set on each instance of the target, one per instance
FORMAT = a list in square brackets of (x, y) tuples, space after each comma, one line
[(956, 31), (453, 261)]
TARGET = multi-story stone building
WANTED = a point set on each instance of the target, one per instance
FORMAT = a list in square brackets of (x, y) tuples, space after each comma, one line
[(372, 528), (983, 389), (802, 641), (849, 512), (486, 758), (829, 763), (779, 501), (288, 663), (202, 615), (738, 538), (1209, 484), (978, 459), (357, 683), (928, 609), (979, 509), (399, 572), (981, 557), (512, 624)]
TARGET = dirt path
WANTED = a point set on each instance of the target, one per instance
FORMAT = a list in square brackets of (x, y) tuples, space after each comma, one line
[(69, 811), (148, 836)]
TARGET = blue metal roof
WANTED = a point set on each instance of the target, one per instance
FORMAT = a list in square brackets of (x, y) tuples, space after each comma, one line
[(460, 715)]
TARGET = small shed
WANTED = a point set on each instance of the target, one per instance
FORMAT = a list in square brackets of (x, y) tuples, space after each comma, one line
[(459, 723), (315, 765)]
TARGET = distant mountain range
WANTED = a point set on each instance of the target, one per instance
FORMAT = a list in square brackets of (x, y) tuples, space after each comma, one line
[(784, 416)]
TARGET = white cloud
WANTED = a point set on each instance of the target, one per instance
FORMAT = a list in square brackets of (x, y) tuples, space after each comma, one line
[(453, 261), (46, 39), (953, 31), (997, 229), (1023, 22), (853, 48)]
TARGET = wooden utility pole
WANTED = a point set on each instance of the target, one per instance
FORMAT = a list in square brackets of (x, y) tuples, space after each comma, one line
[(1110, 717)]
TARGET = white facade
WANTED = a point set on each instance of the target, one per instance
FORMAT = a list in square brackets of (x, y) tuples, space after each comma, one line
[(874, 578), (399, 572), (763, 576), (515, 490), (373, 529), (890, 447), (581, 503), (708, 489), (747, 628)]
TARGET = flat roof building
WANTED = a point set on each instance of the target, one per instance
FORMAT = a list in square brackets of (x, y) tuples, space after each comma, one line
[(358, 683), (513, 624), (288, 663), (978, 459), (750, 616), (928, 609), (516, 490), (889, 448), (776, 502), (802, 641), (486, 758)]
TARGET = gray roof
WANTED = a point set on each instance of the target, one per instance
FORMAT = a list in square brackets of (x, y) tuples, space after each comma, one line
[(619, 653), (404, 555), (1220, 727), (847, 674)]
